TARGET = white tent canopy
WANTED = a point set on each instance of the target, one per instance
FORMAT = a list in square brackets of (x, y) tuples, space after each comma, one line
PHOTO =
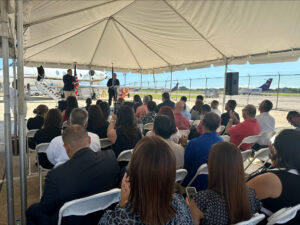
[(157, 35)]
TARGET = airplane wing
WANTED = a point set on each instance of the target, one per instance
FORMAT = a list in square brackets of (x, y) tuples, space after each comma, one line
[(90, 86)]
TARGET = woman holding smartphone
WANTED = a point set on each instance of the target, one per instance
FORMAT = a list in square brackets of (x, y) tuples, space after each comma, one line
[(227, 200)]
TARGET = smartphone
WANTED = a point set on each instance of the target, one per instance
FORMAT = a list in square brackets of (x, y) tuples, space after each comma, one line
[(190, 192), (116, 107)]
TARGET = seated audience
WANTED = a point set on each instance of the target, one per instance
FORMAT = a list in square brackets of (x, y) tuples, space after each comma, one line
[(293, 117), (166, 101), (186, 112), (55, 151), (137, 102), (197, 110), (249, 127), (85, 174), (149, 118), (164, 127), (266, 122), (151, 97), (96, 122), (147, 194), (71, 104), (142, 110), (229, 107), (182, 123), (62, 105), (278, 187), (198, 98), (123, 131), (98, 102), (120, 101), (104, 106), (184, 99), (227, 199), (205, 109), (214, 107), (88, 103), (38, 121), (197, 150), (50, 130)]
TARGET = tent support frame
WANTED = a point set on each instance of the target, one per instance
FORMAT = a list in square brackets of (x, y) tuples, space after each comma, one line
[(225, 80)]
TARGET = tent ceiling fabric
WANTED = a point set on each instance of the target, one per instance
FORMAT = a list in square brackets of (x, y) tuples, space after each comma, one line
[(157, 35)]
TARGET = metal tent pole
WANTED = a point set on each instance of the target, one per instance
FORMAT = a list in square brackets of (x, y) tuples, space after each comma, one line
[(15, 106), (171, 78), (141, 80), (277, 97), (7, 119), (225, 79), (21, 111)]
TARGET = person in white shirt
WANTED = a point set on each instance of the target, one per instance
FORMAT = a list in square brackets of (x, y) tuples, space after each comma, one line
[(266, 122), (164, 127), (56, 152), (214, 107)]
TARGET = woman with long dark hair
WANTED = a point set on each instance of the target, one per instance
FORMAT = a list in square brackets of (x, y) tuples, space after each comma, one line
[(96, 122), (105, 109), (38, 121), (123, 131), (147, 194), (227, 199), (137, 102), (71, 104), (278, 187)]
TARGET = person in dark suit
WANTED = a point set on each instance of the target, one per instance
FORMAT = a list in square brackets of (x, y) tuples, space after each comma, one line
[(85, 174), (166, 101), (112, 85)]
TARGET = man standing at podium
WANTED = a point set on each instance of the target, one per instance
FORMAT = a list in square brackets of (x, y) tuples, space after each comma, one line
[(113, 84), (69, 82)]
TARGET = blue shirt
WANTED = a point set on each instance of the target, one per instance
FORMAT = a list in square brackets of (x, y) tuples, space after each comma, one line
[(298, 127), (196, 154), (186, 114)]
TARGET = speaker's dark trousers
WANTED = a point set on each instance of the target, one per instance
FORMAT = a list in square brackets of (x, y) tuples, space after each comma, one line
[(112, 94)]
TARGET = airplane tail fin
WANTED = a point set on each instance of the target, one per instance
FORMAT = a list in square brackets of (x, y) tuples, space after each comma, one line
[(266, 86), (175, 88)]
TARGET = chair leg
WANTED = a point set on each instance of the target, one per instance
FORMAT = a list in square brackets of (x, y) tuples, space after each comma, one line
[(41, 178)]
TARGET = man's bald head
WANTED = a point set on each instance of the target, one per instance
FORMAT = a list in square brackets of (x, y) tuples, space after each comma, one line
[(75, 138), (179, 107), (249, 112)]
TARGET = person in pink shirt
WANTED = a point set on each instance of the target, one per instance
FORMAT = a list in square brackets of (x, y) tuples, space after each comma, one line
[(143, 110), (249, 127), (182, 123)]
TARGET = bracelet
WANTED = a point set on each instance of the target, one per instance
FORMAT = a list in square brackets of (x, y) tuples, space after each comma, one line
[(112, 120)]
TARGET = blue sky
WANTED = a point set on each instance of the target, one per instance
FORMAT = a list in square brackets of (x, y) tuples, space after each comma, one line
[(259, 72)]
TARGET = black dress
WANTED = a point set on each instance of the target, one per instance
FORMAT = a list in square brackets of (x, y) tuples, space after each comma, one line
[(122, 143), (35, 123), (102, 132), (45, 136)]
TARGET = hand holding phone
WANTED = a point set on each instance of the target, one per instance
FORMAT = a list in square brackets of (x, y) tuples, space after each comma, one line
[(190, 192)]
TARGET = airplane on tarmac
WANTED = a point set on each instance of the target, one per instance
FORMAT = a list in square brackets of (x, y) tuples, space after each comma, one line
[(256, 91), (87, 79)]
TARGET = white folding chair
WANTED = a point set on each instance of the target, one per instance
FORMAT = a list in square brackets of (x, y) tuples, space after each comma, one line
[(221, 129), (105, 143), (246, 154), (148, 126), (125, 156), (203, 169), (184, 132), (30, 134), (180, 175), (283, 215), (262, 154), (267, 134), (90, 204), (250, 140), (41, 148), (255, 219), (226, 138)]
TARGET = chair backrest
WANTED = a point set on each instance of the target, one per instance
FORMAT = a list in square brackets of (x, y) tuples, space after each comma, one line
[(184, 132), (196, 122), (255, 219), (250, 140), (90, 204), (262, 154), (267, 134), (125, 156), (283, 215), (148, 126), (203, 169), (246, 154), (226, 138), (31, 133), (42, 148), (104, 143), (180, 174)]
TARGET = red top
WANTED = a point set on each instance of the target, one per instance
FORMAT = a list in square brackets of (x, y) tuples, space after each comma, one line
[(242, 130), (182, 123), (141, 111)]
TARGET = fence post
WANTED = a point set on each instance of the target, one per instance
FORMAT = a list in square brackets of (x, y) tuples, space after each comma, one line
[(190, 89), (248, 89), (278, 91), (225, 79)]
